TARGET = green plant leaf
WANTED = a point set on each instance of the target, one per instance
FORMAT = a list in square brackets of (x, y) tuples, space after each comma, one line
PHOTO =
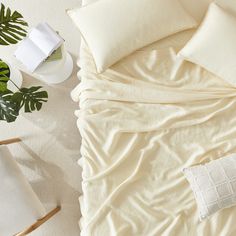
[(9, 110), (12, 26), (4, 76), (30, 98)]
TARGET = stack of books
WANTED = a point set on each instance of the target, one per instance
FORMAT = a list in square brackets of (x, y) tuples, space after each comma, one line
[(42, 44)]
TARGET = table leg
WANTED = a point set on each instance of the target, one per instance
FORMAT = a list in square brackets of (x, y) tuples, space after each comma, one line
[(39, 222), (9, 141)]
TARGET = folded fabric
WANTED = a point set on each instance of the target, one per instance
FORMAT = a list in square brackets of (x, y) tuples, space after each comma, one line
[(115, 29), (17, 197)]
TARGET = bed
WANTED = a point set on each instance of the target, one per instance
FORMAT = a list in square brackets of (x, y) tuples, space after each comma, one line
[(143, 121)]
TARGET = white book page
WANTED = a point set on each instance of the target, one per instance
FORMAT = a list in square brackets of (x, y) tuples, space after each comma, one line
[(29, 54), (45, 38)]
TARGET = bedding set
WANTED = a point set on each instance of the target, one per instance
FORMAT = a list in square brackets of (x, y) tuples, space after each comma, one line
[(157, 117)]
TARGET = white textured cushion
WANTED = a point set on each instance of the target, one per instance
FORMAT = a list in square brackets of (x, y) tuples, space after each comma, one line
[(213, 46), (213, 184), (114, 29)]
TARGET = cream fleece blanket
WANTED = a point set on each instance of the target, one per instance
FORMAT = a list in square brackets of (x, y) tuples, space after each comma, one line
[(142, 122)]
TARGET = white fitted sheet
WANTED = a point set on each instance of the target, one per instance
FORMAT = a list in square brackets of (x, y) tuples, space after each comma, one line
[(142, 121)]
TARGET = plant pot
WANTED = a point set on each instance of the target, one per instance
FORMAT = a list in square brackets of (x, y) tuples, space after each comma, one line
[(16, 77)]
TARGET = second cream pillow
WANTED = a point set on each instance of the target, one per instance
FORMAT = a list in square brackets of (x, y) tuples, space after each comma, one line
[(213, 46)]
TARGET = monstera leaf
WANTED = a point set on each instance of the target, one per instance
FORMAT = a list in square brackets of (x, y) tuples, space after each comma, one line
[(12, 26), (12, 30), (30, 98), (4, 75), (8, 109)]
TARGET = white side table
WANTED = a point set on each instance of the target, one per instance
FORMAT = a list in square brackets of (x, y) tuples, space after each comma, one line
[(55, 72), (52, 72)]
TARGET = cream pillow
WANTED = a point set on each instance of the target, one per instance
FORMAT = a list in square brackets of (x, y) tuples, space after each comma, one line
[(213, 185), (114, 29), (213, 46)]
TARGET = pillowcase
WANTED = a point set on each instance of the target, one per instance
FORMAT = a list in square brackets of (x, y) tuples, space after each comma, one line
[(213, 45), (213, 185), (114, 29)]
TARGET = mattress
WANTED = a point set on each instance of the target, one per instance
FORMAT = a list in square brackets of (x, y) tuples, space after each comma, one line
[(142, 121)]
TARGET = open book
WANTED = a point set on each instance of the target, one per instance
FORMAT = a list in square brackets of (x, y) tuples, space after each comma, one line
[(41, 42)]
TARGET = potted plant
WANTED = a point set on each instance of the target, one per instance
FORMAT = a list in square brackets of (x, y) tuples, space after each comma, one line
[(12, 30)]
